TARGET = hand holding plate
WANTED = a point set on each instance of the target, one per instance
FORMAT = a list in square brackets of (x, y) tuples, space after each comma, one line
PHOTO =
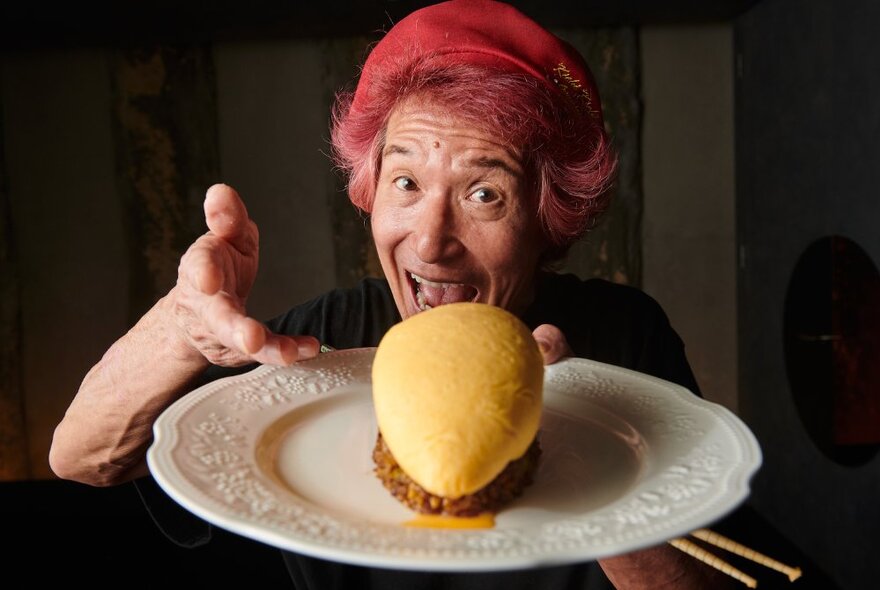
[(552, 342)]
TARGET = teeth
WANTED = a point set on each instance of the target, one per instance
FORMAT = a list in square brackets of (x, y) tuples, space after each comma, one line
[(420, 281), (420, 299)]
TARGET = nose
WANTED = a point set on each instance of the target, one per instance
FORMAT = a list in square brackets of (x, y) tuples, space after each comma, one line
[(438, 230)]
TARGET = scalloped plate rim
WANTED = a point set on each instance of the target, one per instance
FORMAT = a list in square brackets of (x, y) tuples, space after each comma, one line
[(171, 476)]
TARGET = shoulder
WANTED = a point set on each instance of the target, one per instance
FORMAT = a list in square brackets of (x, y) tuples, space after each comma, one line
[(597, 300), (343, 318), (612, 323)]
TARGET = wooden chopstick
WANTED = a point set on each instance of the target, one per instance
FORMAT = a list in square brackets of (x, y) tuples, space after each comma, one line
[(723, 542), (719, 564), (732, 546)]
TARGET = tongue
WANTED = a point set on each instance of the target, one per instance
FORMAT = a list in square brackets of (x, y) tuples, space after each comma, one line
[(435, 296)]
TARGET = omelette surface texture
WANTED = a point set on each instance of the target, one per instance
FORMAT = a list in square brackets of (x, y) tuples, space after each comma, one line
[(458, 395)]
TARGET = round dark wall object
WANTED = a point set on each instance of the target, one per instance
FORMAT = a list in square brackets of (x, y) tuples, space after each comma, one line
[(832, 348)]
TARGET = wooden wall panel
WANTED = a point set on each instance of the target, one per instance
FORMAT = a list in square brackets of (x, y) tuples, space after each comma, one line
[(165, 130), (613, 249), (353, 247)]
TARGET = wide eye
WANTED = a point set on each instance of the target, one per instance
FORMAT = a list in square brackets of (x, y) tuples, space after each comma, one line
[(405, 183), (484, 195)]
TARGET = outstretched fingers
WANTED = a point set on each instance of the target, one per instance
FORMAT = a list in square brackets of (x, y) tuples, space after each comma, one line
[(251, 339), (284, 350), (215, 278)]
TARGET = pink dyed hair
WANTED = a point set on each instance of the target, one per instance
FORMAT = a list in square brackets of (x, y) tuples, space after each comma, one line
[(567, 154)]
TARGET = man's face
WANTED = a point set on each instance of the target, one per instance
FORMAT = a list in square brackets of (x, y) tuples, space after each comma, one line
[(453, 219)]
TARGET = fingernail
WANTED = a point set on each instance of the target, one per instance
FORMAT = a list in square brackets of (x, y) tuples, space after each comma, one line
[(306, 350)]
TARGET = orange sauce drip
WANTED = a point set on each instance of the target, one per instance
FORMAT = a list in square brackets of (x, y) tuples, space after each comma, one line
[(441, 521)]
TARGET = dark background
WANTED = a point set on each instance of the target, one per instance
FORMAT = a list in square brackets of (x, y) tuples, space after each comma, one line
[(807, 164)]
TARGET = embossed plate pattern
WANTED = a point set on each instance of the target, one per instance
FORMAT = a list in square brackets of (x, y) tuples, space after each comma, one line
[(282, 455)]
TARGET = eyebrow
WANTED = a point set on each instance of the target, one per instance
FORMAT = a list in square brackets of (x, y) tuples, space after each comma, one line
[(486, 162), (396, 149), (478, 162)]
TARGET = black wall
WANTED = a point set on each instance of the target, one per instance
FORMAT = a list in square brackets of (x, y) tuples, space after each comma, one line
[(808, 166)]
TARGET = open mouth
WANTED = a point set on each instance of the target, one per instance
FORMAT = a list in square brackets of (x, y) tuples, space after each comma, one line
[(429, 294)]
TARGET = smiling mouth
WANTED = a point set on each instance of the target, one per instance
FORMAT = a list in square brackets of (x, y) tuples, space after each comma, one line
[(430, 294)]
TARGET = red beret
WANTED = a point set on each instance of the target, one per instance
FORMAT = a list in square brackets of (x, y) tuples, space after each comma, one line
[(488, 33)]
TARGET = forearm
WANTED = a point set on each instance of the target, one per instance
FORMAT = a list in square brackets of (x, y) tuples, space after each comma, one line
[(662, 567), (103, 437)]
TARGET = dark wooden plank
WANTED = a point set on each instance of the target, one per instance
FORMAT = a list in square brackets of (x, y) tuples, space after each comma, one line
[(165, 131), (612, 250), (354, 253)]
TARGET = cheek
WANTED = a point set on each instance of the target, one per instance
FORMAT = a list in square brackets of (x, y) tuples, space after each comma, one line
[(385, 224), (378, 217), (380, 236), (513, 253), (513, 243), (390, 220)]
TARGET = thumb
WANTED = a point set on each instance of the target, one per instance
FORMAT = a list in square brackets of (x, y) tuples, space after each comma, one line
[(552, 343), (227, 218)]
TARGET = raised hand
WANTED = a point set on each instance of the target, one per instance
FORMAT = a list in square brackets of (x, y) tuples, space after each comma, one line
[(214, 280), (105, 433)]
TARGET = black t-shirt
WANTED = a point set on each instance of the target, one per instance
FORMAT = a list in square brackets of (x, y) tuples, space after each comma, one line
[(602, 321)]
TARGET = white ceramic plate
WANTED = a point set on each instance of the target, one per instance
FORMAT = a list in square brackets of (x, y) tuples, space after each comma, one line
[(283, 455)]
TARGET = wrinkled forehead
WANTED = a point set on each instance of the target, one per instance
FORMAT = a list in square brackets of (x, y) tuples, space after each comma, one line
[(426, 111)]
